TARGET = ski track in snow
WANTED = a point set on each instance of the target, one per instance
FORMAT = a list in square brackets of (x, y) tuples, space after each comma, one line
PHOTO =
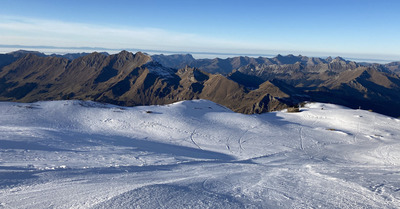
[(196, 154), (240, 140), (301, 138), (193, 141)]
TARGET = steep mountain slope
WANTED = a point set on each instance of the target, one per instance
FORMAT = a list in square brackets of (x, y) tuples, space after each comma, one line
[(250, 81), (124, 79), (363, 87), (224, 91), (241, 63), (339, 82), (224, 66), (6, 59), (33, 78), (217, 65), (299, 71), (22, 53), (72, 56), (394, 67), (176, 61), (196, 154), (139, 79)]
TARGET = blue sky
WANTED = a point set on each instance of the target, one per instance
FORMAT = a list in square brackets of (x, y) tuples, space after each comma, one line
[(352, 28)]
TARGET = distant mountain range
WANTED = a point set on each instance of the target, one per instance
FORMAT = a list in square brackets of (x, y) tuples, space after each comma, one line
[(243, 84)]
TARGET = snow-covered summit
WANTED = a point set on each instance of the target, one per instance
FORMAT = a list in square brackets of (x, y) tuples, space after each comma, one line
[(82, 154)]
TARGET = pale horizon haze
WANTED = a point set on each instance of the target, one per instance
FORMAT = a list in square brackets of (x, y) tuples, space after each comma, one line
[(355, 28)]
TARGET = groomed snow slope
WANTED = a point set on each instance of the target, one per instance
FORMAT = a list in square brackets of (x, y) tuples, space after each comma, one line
[(196, 154)]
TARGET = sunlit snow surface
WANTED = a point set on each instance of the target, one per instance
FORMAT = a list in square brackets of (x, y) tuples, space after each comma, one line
[(196, 154)]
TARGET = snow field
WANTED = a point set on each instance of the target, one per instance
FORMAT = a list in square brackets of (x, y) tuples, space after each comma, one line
[(81, 154)]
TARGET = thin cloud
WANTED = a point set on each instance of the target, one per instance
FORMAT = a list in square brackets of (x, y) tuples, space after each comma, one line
[(43, 32), (29, 31)]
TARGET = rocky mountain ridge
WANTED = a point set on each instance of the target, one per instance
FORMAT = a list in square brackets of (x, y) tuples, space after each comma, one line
[(124, 79), (243, 84)]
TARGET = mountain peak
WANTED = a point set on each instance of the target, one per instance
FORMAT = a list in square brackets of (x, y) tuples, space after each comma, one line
[(125, 55), (339, 59), (285, 60), (21, 53), (92, 57)]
